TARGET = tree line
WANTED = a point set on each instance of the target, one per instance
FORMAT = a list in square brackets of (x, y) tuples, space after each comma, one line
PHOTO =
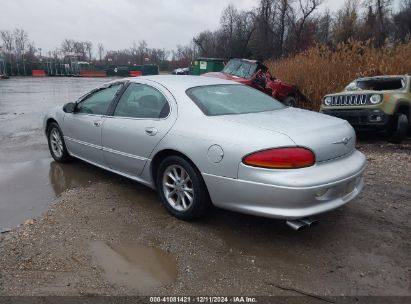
[(281, 28), (274, 29), (17, 49)]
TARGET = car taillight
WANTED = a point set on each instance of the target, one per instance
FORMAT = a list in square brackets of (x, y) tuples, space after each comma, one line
[(281, 158)]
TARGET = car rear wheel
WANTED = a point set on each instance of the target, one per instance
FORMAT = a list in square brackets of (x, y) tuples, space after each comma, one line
[(56, 143), (398, 131), (182, 189), (289, 101)]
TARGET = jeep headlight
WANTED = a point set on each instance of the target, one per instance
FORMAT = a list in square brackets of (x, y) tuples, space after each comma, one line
[(328, 100), (374, 99)]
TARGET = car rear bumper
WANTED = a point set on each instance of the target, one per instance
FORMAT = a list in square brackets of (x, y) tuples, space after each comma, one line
[(370, 118), (302, 192)]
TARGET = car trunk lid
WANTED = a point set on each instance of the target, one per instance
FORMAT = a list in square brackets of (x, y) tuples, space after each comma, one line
[(328, 137)]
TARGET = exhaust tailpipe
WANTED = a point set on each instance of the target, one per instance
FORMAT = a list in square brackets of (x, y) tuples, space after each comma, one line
[(301, 223), (309, 221), (296, 224)]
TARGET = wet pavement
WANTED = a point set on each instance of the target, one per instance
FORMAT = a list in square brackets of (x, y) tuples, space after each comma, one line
[(30, 179), (29, 187)]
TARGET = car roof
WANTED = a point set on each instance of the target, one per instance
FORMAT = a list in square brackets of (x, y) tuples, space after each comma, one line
[(381, 77), (209, 59), (181, 82)]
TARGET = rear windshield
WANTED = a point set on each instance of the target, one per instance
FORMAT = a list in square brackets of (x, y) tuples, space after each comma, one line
[(377, 84), (231, 99), (240, 68)]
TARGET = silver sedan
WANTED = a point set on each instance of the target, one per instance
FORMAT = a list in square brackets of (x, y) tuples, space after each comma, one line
[(202, 141)]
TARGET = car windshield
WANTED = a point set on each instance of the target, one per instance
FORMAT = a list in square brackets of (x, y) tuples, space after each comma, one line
[(231, 99), (377, 84), (240, 68)]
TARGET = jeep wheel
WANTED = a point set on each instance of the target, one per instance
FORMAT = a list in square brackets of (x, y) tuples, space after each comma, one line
[(289, 101), (398, 131)]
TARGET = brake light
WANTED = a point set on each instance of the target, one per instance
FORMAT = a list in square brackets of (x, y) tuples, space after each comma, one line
[(281, 158)]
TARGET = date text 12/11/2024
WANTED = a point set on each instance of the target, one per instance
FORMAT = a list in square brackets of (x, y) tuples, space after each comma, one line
[(203, 299)]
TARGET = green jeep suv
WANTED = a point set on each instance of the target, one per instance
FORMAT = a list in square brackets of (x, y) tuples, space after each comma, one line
[(381, 103)]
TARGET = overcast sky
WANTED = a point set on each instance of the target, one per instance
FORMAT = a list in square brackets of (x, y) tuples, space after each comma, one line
[(117, 23)]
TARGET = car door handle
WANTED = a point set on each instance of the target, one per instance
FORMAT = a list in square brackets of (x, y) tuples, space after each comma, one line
[(151, 131), (97, 123)]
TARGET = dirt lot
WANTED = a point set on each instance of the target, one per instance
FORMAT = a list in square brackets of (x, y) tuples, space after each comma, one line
[(105, 235)]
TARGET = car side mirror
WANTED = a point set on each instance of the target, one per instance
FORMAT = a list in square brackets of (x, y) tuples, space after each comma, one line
[(69, 107)]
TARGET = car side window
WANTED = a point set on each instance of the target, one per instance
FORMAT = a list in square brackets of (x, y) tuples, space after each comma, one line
[(142, 101), (98, 102)]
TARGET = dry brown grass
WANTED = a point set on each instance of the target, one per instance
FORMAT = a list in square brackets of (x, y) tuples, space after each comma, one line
[(320, 70)]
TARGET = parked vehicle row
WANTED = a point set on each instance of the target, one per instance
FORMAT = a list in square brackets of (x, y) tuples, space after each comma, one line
[(203, 141)]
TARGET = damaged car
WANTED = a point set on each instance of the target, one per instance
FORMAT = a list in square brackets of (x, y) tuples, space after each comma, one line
[(255, 74)]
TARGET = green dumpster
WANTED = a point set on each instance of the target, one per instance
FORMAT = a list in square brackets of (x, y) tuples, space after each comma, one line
[(205, 65)]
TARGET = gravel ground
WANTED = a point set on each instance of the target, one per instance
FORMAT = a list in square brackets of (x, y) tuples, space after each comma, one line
[(361, 249)]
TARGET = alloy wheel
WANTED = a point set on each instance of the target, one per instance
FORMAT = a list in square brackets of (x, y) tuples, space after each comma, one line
[(56, 143), (178, 188)]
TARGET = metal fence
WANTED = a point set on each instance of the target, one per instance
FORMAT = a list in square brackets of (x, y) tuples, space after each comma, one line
[(71, 68)]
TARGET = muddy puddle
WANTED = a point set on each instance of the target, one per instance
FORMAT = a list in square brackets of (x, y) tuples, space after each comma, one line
[(135, 266), (28, 188)]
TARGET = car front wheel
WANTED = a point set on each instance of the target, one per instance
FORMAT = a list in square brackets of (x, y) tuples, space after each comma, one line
[(182, 189), (56, 143)]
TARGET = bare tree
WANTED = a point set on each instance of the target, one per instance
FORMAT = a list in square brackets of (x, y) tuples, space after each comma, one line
[(206, 43), (8, 40), (245, 28), (382, 8), (20, 41), (263, 44), (345, 25), (284, 8), (402, 22), (67, 46), (79, 50), (305, 9), (88, 48), (324, 28), (31, 52), (100, 49), (228, 20)]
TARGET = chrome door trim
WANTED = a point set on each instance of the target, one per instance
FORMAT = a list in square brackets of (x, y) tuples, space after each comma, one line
[(82, 142), (124, 154), (135, 178), (106, 149)]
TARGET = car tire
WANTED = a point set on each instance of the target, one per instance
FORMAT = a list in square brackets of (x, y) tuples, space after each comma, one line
[(57, 146), (398, 131), (182, 189), (290, 101)]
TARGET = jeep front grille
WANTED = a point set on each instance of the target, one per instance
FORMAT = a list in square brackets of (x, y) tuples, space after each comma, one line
[(349, 100)]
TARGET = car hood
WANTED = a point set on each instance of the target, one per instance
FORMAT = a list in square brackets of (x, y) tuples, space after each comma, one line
[(328, 137), (364, 92), (225, 76)]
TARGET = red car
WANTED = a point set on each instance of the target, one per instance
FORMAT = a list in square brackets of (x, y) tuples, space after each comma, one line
[(255, 74)]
